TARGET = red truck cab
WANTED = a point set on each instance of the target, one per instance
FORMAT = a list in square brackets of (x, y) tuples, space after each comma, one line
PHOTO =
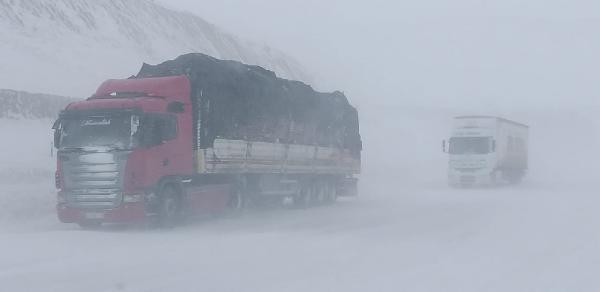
[(123, 145)]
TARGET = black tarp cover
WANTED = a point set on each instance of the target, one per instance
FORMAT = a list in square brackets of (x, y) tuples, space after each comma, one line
[(238, 101)]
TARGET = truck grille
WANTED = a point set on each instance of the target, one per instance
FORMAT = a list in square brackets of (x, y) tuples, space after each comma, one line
[(93, 180), (95, 198), (467, 179)]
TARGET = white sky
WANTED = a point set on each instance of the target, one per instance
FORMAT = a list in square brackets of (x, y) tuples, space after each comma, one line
[(459, 53)]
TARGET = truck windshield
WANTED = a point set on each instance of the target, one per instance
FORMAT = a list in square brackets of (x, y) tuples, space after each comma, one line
[(115, 131), (469, 145)]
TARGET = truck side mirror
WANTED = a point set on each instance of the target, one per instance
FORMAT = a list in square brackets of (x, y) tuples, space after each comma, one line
[(444, 146), (57, 133), (57, 138)]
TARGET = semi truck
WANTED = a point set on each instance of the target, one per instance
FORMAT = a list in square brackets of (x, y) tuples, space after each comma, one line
[(486, 150), (199, 135)]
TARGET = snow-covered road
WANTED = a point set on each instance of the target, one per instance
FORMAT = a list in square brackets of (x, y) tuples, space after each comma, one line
[(404, 233), (526, 238)]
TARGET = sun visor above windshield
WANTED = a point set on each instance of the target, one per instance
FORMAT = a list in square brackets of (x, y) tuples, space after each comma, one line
[(173, 88)]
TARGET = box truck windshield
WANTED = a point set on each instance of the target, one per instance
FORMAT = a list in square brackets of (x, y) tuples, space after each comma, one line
[(469, 145)]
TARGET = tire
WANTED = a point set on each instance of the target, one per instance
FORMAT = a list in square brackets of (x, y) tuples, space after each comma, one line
[(90, 225), (321, 193), (332, 195), (515, 180), (494, 179), (315, 191), (303, 198), (169, 209), (514, 177), (237, 202)]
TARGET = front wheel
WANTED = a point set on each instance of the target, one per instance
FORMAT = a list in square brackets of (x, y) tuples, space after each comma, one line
[(169, 209)]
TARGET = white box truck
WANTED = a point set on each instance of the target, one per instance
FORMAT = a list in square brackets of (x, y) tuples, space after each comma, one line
[(486, 150)]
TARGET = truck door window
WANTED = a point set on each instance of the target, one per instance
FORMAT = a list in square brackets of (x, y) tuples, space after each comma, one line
[(158, 128)]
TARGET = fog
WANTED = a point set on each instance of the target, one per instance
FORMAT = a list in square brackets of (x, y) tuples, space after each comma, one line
[(409, 67), (477, 54)]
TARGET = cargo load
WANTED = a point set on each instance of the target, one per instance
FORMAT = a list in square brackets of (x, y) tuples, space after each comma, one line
[(235, 101)]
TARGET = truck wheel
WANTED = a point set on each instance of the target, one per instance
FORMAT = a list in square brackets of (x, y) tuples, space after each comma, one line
[(237, 201), (494, 179), (321, 194), (516, 179), (90, 225), (315, 193), (303, 198), (169, 210), (513, 176), (331, 194)]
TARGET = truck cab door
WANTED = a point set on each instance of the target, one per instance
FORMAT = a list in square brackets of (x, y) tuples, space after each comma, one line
[(158, 136)]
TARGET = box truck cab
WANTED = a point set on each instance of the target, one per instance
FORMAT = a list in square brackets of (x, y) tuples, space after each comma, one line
[(485, 150)]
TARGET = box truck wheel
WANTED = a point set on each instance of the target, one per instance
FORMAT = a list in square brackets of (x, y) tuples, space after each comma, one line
[(169, 209), (513, 176), (494, 178), (90, 224), (516, 177)]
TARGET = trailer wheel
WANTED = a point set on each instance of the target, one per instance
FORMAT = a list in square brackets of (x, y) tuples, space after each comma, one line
[(169, 209), (331, 194), (237, 200), (321, 193), (303, 198)]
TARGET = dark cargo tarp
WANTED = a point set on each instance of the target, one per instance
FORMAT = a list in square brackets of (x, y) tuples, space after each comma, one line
[(238, 101)]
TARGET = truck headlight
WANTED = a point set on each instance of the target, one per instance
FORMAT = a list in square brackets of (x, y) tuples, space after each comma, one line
[(133, 198)]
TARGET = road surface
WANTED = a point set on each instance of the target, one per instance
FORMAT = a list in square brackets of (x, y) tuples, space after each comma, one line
[(428, 238)]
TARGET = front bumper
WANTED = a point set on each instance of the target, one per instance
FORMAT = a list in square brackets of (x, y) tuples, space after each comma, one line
[(482, 177), (124, 213)]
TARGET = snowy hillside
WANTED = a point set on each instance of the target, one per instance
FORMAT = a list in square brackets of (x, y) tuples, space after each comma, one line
[(68, 47), (20, 104)]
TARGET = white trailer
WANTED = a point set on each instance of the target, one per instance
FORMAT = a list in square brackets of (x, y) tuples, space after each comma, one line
[(486, 150)]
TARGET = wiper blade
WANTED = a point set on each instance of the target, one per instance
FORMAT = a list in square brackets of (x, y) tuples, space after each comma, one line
[(93, 148), (72, 148)]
